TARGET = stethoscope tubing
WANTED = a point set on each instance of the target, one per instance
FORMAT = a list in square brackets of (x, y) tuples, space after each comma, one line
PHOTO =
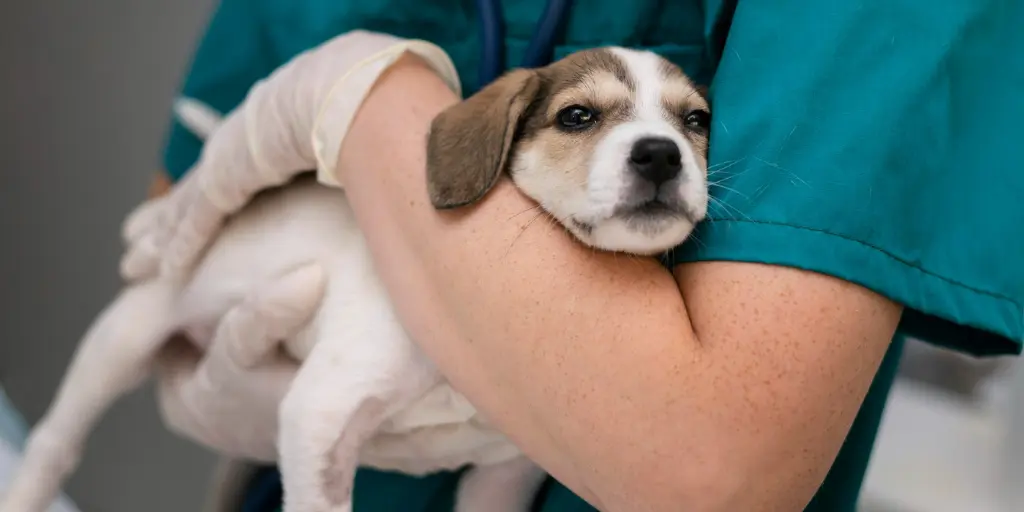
[(540, 50)]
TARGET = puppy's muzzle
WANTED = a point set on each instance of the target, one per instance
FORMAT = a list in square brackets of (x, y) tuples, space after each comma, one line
[(656, 160)]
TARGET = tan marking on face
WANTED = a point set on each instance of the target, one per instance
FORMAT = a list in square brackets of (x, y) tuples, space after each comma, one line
[(583, 177), (680, 96), (600, 91), (595, 79)]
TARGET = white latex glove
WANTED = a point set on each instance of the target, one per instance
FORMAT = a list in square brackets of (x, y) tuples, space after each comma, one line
[(293, 121), (227, 398)]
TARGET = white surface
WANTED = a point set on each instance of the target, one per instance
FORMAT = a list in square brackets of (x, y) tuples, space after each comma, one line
[(9, 458), (12, 425), (937, 454)]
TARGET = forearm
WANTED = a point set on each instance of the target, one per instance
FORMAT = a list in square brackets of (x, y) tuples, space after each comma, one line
[(459, 287), (588, 360)]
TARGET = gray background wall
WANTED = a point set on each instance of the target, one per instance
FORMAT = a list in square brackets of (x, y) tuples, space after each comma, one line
[(85, 89)]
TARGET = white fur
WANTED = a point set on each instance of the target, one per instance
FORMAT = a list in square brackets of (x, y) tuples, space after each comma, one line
[(293, 265), (365, 394), (652, 120), (609, 175)]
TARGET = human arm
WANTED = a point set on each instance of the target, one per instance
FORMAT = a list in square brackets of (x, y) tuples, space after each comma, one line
[(636, 390), (840, 146), (227, 396), (650, 297), (277, 133), (775, 118)]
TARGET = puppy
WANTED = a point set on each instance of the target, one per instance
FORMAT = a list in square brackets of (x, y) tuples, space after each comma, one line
[(610, 142)]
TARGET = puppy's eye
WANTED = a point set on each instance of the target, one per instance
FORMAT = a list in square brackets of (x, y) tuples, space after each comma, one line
[(698, 119), (576, 117)]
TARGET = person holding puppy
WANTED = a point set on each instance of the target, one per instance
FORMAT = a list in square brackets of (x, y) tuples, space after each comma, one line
[(865, 189)]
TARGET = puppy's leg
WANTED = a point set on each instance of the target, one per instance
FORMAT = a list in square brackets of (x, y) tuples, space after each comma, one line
[(243, 362), (247, 334), (361, 370), (111, 360), (506, 487)]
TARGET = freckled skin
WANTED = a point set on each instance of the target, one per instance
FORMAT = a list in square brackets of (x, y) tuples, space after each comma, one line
[(742, 378)]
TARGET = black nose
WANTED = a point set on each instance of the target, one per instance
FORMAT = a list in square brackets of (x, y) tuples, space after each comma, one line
[(656, 159)]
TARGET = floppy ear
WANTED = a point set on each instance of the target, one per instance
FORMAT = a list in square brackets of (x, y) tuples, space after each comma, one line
[(469, 143)]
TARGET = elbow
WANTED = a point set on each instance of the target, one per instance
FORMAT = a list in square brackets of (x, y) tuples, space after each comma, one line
[(716, 491), (693, 491), (709, 486)]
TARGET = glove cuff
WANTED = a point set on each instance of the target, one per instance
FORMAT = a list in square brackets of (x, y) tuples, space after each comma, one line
[(347, 94)]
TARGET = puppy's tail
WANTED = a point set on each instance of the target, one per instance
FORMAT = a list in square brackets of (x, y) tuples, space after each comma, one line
[(111, 360)]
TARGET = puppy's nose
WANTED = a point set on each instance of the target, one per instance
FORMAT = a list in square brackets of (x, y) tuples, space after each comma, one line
[(656, 159)]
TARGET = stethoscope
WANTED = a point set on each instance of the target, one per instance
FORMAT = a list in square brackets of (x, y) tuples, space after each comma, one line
[(539, 52)]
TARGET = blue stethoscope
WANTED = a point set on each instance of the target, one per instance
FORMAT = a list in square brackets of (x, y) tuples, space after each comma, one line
[(540, 51)]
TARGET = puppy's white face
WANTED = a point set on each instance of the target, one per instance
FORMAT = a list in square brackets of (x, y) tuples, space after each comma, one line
[(611, 142), (614, 147)]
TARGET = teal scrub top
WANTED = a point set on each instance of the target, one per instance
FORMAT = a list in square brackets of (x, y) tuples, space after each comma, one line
[(876, 141)]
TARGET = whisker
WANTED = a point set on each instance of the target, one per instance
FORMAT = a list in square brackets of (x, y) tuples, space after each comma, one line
[(727, 207), (787, 171), (696, 239), (734, 191), (524, 211), (785, 141), (521, 231), (726, 164), (728, 175)]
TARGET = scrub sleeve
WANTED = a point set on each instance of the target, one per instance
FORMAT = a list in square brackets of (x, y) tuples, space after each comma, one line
[(872, 141), (232, 56)]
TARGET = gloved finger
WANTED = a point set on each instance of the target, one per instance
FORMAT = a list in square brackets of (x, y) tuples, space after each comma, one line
[(245, 346), (197, 226), (249, 334), (190, 406), (143, 219), (149, 228), (142, 259), (232, 415)]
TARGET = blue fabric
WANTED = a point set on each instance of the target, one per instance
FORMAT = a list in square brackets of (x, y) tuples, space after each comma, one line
[(846, 146), (13, 429), (264, 493)]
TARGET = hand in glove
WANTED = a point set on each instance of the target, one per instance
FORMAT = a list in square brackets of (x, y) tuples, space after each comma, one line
[(293, 121), (227, 398)]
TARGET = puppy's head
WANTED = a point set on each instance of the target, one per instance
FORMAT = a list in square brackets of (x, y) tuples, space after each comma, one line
[(611, 142)]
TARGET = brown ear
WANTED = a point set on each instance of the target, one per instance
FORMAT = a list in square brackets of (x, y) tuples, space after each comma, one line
[(469, 143)]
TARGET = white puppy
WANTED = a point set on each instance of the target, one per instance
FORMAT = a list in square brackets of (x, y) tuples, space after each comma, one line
[(611, 142)]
